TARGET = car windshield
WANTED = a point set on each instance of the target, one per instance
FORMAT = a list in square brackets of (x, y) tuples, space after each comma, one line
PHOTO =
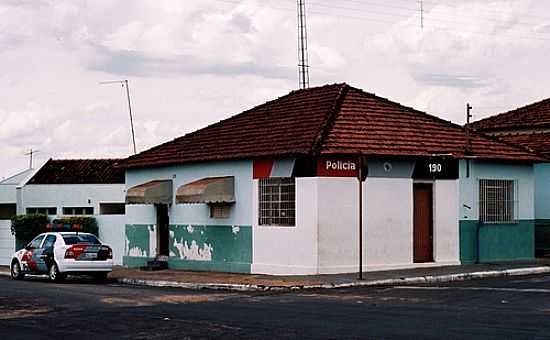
[(80, 238)]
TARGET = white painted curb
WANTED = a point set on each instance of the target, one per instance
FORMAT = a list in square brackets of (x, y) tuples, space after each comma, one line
[(429, 279)]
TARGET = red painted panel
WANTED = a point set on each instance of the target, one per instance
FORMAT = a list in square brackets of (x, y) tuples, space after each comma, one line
[(337, 167), (262, 168)]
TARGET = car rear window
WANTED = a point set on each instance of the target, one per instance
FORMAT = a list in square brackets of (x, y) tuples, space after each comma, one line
[(75, 239)]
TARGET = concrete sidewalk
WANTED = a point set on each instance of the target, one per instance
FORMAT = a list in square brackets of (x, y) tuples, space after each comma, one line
[(247, 282)]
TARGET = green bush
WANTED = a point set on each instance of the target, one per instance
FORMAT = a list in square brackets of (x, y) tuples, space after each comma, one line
[(27, 227), (87, 224)]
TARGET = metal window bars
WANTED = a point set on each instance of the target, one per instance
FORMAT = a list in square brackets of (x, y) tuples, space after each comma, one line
[(277, 202), (497, 201)]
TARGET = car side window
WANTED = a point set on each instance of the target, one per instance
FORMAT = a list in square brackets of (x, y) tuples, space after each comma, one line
[(35, 244), (49, 243)]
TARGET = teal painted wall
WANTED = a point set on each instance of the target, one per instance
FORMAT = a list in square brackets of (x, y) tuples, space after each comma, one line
[(497, 242), (137, 249), (542, 237), (194, 247), (229, 250), (211, 248), (542, 191)]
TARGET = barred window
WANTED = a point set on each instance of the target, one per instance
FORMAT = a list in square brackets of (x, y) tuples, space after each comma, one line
[(497, 202), (78, 211), (277, 202), (42, 211)]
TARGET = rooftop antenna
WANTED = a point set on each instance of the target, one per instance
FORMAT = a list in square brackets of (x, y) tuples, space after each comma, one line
[(303, 62), (124, 83), (30, 153)]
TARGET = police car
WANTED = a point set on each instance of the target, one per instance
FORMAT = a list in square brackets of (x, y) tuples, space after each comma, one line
[(60, 253)]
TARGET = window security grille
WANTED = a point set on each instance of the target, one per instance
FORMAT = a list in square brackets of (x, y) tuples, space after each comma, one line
[(277, 202), (42, 211), (497, 202), (78, 211)]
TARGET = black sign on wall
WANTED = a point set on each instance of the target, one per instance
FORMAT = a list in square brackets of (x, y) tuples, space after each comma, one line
[(436, 168)]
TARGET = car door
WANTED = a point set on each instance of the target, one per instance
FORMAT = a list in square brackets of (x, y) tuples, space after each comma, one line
[(48, 250), (32, 254), (39, 256)]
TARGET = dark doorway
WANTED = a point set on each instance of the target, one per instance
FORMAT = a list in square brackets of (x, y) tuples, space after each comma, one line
[(163, 233), (423, 222)]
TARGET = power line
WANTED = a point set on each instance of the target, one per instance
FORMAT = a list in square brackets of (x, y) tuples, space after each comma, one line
[(371, 19)]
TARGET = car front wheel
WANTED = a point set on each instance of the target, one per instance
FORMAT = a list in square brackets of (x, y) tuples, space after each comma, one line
[(54, 274), (16, 272)]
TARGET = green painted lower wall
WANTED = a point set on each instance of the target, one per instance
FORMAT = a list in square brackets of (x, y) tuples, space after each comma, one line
[(497, 242), (211, 248), (194, 247), (542, 238)]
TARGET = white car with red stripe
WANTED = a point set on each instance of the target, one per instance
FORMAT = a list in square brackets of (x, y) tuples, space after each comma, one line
[(60, 253)]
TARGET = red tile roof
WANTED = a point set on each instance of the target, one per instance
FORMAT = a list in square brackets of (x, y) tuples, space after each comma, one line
[(79, 171), (332, 119), (535, 115), (540, 142)]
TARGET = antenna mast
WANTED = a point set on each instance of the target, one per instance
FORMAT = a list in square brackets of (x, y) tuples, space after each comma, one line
[(303, 62), (125, 84), (30, 153)]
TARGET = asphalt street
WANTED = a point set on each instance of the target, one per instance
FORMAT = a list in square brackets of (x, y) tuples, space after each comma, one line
[(509, 308)]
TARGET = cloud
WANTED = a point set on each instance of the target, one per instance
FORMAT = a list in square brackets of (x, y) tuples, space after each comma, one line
[(191, 63)]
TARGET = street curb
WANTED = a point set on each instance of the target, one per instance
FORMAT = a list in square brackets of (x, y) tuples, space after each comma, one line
[(428, 279)]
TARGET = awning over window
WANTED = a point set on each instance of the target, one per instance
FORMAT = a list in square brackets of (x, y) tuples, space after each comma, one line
[(207, 190), (154, 192)]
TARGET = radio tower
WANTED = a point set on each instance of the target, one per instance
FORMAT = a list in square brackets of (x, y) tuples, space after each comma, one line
[(303, 66)]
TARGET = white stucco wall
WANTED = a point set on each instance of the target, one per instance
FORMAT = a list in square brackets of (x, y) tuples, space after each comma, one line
[(111, 231), (446, 222), (71, 195), (7, 243), (325, 239), (338, 216), (288, 250), (388, 211), (8, 193)]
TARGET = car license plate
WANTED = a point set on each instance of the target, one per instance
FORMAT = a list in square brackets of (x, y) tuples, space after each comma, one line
[(90, 256)]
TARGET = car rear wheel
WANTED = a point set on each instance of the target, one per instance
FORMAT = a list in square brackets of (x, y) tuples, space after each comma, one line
[(101, 277), (54, 274), (16, 272)]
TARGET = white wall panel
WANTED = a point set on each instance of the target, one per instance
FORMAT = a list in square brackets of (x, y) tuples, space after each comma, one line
[(288, 250)]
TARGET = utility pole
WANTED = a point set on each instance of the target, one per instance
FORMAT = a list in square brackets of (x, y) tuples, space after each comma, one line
[(361, 177), (30, 153), (468, 139), (303, 61), (468, 117), (125, 84)]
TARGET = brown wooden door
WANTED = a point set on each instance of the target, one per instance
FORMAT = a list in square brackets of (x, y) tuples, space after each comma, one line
[(163, 232), (423, 222)]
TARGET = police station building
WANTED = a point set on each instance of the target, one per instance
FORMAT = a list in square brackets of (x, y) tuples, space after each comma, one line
[(276, 190)]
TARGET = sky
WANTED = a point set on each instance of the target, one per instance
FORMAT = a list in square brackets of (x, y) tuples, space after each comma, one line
[(191, 63)]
